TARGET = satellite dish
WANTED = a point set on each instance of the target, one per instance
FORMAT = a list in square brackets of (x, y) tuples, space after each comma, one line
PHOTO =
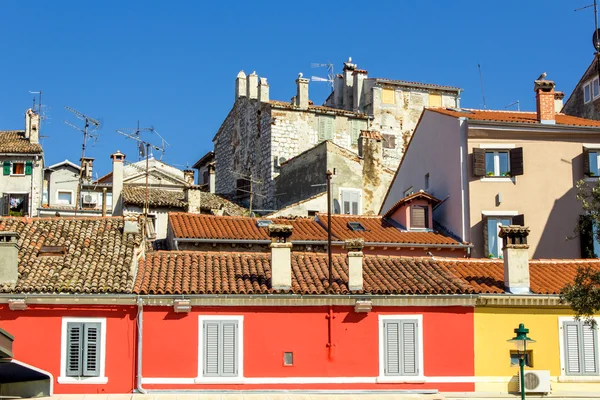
[(596, 39)]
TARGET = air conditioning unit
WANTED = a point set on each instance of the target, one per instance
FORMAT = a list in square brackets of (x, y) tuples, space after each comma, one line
[(535, 381), (88, 199)]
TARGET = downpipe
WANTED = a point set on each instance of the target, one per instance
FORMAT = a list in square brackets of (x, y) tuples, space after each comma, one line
[(140, 334)]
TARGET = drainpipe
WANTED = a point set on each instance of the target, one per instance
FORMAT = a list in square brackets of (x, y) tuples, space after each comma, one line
[(330, 344), (139, 322)]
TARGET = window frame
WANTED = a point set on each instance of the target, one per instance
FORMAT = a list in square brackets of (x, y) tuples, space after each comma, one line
[(63, 378), (387, 90), (58, 201), (596, 173), (341, 197), (240, 349), (587, 86), (496, 155), (425, 209), (596, 82), (486, 215), (12, 166), (420, 346), (562, 345)]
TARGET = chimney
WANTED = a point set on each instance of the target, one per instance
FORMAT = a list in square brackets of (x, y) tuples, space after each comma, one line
[(558, 101), (302, 92), (32, 126), (211, 177), (370, 148), (544, 95), (118, 159), (188, 176), (359, 75), (516, 258), (263, 90), (252, 86), (348, 97), (9, 258), (355, 263), (240, 85), (104, 202), (281, 256), (87, 164), (338, 91)]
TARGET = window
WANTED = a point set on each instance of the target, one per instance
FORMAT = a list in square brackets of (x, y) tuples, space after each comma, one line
[(325, 128), (243, 188), (63, 197), (388, 96), (400, 345), (409, 191), (586, 93), (83, 350), (591, 162), (435, 100), (356, 226), (220, 347), (389, 141), (350, 201), (288, 358), (356, 125), (14, 204), (419, 217), (17, 168), (579, 348), (497, 162), (595, 89), (514, 358)]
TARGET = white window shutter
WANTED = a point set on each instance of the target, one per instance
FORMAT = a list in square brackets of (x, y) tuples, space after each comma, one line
[(392, 347), (590, 350), (410, 363), (229, 351), (571, 337), (74, 347), (91, 349), (211, 348)]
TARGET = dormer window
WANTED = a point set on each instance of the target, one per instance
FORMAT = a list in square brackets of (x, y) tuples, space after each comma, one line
[(356, 227), (419, 217)]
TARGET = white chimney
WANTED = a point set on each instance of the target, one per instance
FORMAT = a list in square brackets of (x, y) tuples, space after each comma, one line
[(359, 76), (355, 263), (188, 176), (558, 101), (302, 92), (240, 85), (252, 86), (348, 96), (263, 90), (87, 164), (9, 258), (32, 126), (281, 256), (211, 178), (118, 160), (516, 258)]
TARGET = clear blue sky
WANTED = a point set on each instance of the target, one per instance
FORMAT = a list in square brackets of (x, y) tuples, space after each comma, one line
[(172, 64)]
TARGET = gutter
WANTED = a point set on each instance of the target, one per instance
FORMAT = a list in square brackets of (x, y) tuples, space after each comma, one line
[(140, 334), (520, 126)]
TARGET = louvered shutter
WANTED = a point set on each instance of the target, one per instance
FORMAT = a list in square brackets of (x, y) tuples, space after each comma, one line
[(589, 349), (229, 351), (28, 168), (478, 162), (418, 217), (518, 220), (571, 337), (329, 128), (392, 347), (91, 349), (211, 348), (586, 162), (410, 364), (586, 236), (74, 347), (516, 161), (322, 128), (6, 167)]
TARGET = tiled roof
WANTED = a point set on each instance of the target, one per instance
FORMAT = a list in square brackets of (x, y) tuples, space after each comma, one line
[(213, 202), (339, 111), (98, 257), (136, 195), (371, 135), (409, 198), (378, 229), (15, 142), (417, 84), (250, 273), (200, 226), (513, 116), (546, 276)]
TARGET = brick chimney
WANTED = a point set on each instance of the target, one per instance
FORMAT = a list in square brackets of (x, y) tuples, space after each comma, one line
[(355, 263), (281, 256), (544, 96), (240, 85), (263, 90), (188, 176), (9, 258), (32, 126), (558, 101), (252, 86), (302, 92), (516, 258), (118, 160)]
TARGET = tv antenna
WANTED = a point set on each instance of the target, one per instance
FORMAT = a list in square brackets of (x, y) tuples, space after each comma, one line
[(481, 82), (330, 73), (146, 147), (250, 190), (142, 150), (518, 103), (90, 128)]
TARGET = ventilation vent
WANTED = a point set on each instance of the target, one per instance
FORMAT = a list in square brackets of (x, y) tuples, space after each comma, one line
[(356, 226), (52, 251), (261, 223)]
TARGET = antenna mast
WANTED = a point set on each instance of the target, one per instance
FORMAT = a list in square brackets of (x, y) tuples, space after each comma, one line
[(481, 82), (330, 73), (90, 127)]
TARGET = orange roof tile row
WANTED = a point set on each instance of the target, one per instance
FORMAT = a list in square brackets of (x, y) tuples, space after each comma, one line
[(16, 142)]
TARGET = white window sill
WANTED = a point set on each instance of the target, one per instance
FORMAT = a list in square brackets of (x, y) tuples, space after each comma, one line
[(96, 380), (401, 379), (17, 174), (498, 179), (579, 379), (592, 178), (216, 380)]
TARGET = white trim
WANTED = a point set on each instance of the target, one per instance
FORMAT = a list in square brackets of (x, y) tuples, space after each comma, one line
[(588, 84), (65, 162), (561, 346), (592, 146), (497, 146), (24, 166), (497, 179), (240, 350), (58, 201), (496, 213), (102, 379), (414, 378), (41, 371), (344, 189)]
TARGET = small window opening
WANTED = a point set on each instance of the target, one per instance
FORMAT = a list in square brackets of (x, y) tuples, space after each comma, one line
[(53, 251), (356, 226), (514, 358), (288, 358), (261, 223)]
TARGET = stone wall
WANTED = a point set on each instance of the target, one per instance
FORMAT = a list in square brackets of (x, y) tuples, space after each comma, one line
[(576, 105)]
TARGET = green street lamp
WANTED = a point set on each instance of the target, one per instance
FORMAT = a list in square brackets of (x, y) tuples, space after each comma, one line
[(520, 340)]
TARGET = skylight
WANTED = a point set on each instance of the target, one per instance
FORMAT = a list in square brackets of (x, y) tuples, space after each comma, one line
[(356, 226), (261, 223)]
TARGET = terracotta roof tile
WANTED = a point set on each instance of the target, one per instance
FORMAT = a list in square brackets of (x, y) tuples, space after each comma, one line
[(513, 116), (98, 257), (136, 195), (371, 135), (15, 142), (250, 273)]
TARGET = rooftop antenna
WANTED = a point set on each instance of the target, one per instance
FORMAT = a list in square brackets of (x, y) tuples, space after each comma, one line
[(89, 131), (39, 109), (146, 147), (481, 82), (518, 103), (250, 190), (330, 73)]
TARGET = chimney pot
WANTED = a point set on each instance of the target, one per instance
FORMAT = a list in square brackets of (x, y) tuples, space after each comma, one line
[(9, 258), (118, 159), (302, 92), (355, 263), (188, 176), (281, 256), (240, 85), (544, 95), (252, 86), (32, 126), (515, 252), (263, 90)]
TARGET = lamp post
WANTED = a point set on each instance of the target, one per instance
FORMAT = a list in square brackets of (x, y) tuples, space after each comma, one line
[(520, 340)]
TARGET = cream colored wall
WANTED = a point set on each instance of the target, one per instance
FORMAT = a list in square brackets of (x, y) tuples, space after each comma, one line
[(545, 193)]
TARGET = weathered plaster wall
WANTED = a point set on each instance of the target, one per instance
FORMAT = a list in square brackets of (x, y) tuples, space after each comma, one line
[(32, 184)]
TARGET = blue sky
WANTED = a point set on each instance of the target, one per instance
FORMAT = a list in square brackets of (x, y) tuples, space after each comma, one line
[(172, 64)]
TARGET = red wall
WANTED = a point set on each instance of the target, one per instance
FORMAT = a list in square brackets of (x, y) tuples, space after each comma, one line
[(37, 333), (170, 347)]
